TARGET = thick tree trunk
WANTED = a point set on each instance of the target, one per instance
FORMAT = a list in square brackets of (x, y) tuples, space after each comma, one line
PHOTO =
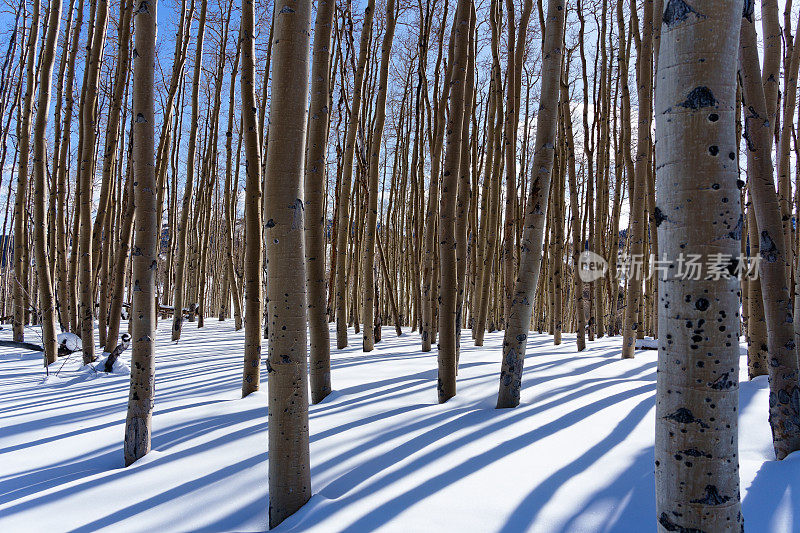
[(140, 401), (316, 223), (697, 474), (289, 468)]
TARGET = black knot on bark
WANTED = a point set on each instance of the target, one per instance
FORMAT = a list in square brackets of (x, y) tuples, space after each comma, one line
[(699, 97), (712, 497), (678, 11), (769, 252), (658, 216)]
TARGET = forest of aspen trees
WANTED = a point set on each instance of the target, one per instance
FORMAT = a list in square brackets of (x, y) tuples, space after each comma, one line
[(445, 265)]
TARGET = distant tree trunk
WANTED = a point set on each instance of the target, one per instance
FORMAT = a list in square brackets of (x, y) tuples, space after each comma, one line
[(112, 137), (494, 161), (757, 346), (773, 267), (183, 228), (638, 222), (229, 195), (289, 468), (64, 305), (45, 280), (21, 297), (448, 320), (316, 223), (253, 313), (697, 474), (580, 309), (143, 315), (516, 333), (87, 159), (372, 181), (343, 229), (120, 266)]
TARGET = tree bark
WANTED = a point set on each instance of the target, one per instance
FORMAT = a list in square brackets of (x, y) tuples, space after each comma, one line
[(696, 451), (289, 468), (784, 413), (343, 230), (45, 280), (516, 333), (138, 427), (253, 314)]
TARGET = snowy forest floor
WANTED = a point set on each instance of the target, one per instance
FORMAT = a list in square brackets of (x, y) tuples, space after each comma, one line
[(576, 455)]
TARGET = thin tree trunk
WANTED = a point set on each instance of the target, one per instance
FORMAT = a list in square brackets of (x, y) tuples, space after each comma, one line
[(251, 376), (516, 333), (183, 228), (784, 412), (632, 324), (343, 229), (45, 280), (372, 182), (21, 297), (448, 319)]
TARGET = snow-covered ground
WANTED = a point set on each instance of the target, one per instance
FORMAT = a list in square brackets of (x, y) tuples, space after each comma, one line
[(576, 455)]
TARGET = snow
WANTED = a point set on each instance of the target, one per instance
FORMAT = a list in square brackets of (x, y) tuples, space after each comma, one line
[(646, 344), (575, 456), (71, 341)]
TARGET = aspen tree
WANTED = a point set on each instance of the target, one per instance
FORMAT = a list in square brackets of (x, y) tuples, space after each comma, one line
[(21, 298), (516, 333), (580, 310), (343, 223), (231, 188), (697, 474), (87, 159), (774, 269), (314, 189), (429, 294), (448, 320), (138, 425), (464, 195), (492, 173), (372, 181), (123, 251), (183, 229), (45, 280), (289, 468), (112, 134), (64, 101), (253, 290), (632, 325)]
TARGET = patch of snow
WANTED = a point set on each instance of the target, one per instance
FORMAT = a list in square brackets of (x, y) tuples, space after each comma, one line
[(646, 344), (72, 342), (575, 456)]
